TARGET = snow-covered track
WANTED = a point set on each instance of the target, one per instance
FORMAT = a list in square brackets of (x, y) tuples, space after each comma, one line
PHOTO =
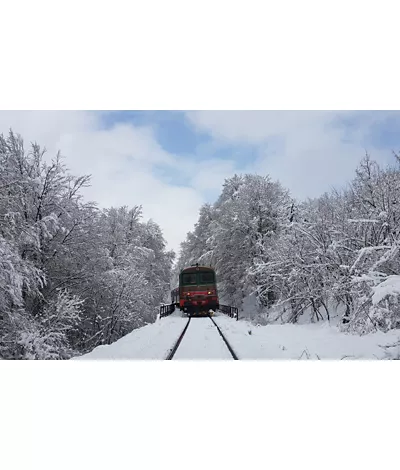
[(202, 342), (178, 342), (225, 341)]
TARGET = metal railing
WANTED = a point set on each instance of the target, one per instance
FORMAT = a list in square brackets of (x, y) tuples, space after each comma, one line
[(232, 312), (166, 310)]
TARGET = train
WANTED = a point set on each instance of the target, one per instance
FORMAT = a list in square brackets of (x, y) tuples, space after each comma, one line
[(197, 291)]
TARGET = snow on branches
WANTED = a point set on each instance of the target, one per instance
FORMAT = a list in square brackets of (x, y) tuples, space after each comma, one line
[(71, 276)]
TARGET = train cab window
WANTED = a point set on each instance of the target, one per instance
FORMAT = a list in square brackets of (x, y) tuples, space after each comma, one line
[(189, 278), (206, 278)]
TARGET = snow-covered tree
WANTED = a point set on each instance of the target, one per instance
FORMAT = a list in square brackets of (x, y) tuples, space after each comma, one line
[(71, 276), (231, 234)]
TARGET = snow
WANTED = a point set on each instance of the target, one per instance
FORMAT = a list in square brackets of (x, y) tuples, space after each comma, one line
[(391, 286), (312, 341), (202, 341), (152, 341)]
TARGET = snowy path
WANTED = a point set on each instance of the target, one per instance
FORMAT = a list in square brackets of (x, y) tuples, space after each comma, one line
[(202, 341)]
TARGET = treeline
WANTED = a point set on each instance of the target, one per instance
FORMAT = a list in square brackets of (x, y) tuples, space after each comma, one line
[(334, 255), (72, 276)]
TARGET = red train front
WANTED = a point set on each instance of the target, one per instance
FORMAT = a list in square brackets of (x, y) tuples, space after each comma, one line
[(197, 291)]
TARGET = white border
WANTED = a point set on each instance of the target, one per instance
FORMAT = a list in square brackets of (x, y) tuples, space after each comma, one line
[(214, 54), (199, 415)]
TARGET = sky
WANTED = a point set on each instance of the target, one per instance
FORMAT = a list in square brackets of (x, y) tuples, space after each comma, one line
[(172, 162)]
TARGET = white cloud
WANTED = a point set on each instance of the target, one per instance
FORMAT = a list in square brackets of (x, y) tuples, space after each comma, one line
[(255, 127), (309, 153), (206, 175)]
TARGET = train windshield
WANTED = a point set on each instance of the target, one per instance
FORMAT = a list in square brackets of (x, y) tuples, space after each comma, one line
[(189, 278), (206, 278)]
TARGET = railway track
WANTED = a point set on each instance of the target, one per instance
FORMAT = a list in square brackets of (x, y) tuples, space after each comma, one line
[(178, 342), (202, 329)]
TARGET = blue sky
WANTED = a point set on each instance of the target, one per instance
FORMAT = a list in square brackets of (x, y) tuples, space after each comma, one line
[(177, 135), (173, 162), (171, 128)]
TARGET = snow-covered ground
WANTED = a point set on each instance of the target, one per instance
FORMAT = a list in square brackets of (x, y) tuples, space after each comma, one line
[(149, 342), (311, 341), (288, 341)]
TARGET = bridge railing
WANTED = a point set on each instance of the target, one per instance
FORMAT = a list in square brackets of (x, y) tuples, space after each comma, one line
[(166, 310), (232, 312)]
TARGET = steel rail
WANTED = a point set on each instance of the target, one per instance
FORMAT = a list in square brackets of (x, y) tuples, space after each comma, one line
[(178, 342), (225, 340)]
